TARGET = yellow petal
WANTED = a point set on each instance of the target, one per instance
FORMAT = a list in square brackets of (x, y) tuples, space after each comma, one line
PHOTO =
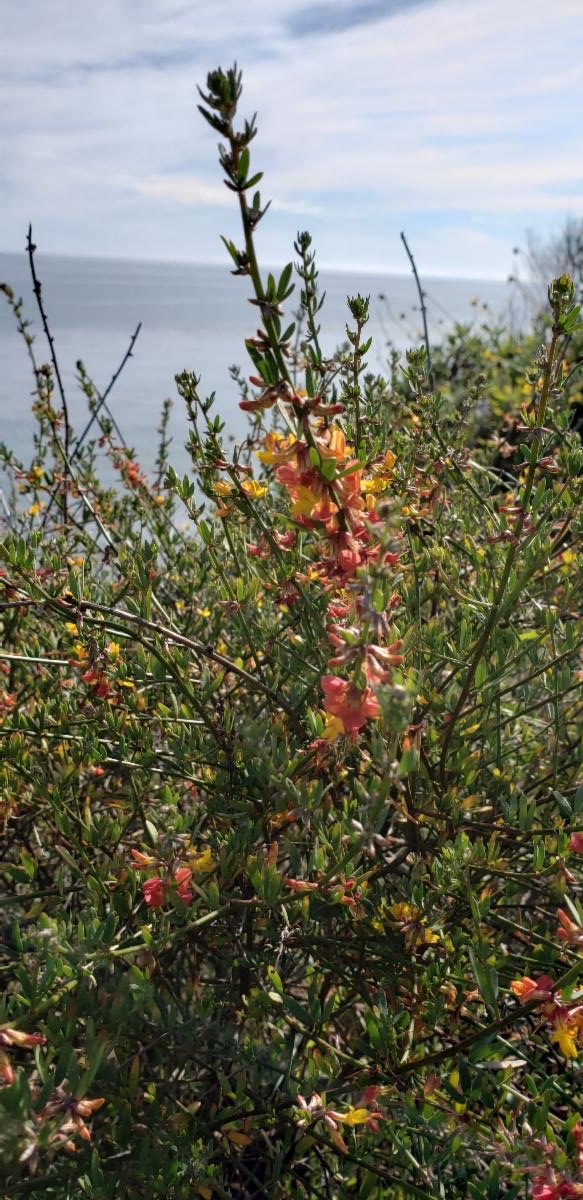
[(356, 1116)]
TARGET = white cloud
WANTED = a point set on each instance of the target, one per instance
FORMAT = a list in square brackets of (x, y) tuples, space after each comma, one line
[(187, 189), (433, 118)]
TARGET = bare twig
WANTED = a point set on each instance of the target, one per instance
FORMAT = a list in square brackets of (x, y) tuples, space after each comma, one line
[(103, 397), (423, 312), (37, 289)]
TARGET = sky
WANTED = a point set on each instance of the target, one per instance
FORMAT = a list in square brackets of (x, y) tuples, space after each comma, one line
[(458, 121)]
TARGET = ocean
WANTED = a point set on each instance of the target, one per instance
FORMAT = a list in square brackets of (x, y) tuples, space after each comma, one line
[(194, 317)]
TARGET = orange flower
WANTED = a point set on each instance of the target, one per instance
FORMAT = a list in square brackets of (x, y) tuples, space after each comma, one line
[(75, 1112), (141, 860), (527, 989)]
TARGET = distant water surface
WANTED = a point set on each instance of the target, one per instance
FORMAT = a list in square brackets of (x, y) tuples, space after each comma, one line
[(194, 317)]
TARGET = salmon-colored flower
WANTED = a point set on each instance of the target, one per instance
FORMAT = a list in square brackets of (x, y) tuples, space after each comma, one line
[(182, 878), (15, 1037), (568, 930), (353, 705), (154, 892), (98, 681)]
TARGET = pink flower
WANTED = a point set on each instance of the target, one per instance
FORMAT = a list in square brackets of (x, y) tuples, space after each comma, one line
[(182, 878), (554, 1187), (355, 706), (576, 843), (154, 892)]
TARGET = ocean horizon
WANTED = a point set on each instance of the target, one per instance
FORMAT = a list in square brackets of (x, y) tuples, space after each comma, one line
[(194, 316)]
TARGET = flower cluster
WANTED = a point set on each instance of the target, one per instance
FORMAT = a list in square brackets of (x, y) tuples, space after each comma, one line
[(331, 497), (316, 1109), (15, 1037), (548, 1183), (174, 877), (335, 890), (566, 1019)]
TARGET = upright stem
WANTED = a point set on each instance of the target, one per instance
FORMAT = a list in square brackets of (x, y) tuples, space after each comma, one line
[(421, 295), (37, 289), (512, 553)]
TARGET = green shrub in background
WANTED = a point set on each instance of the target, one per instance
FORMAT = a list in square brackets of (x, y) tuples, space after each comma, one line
[(292, 816)]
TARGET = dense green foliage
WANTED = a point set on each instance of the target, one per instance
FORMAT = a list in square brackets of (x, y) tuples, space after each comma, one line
[(290, 792)]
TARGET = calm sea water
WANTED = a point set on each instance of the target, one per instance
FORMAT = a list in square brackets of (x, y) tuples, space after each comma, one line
[(194, 317)]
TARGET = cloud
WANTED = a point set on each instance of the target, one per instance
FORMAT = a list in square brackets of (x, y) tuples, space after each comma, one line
[(430, 115), (188, 190), (337, 17)]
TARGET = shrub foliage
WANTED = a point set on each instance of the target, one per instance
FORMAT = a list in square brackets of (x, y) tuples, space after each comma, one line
[(292, 828)]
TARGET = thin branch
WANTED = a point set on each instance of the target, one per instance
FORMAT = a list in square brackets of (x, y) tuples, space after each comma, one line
[(421, 294), (103, 398), (37, 289)]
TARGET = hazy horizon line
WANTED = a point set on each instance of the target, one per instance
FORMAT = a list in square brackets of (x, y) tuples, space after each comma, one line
[(220, 262)]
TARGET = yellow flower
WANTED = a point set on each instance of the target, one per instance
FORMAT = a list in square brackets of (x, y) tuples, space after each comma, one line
[(305, 503), (159, 499), (454, 1079), (223, 487), (565, 1037), (278, 448), (201, 861), (35, 508), (113, 649), (376, 485), (355, 1116), (254, 489), (71, 627), (404, 912), (334, 728)]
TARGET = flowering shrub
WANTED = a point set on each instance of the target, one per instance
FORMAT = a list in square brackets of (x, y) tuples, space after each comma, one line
[(293, 818)]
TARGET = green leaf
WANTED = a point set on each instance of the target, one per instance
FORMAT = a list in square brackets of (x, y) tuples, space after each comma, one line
[(284, 281), (298, 1011), (243, 165), (487, 980)]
